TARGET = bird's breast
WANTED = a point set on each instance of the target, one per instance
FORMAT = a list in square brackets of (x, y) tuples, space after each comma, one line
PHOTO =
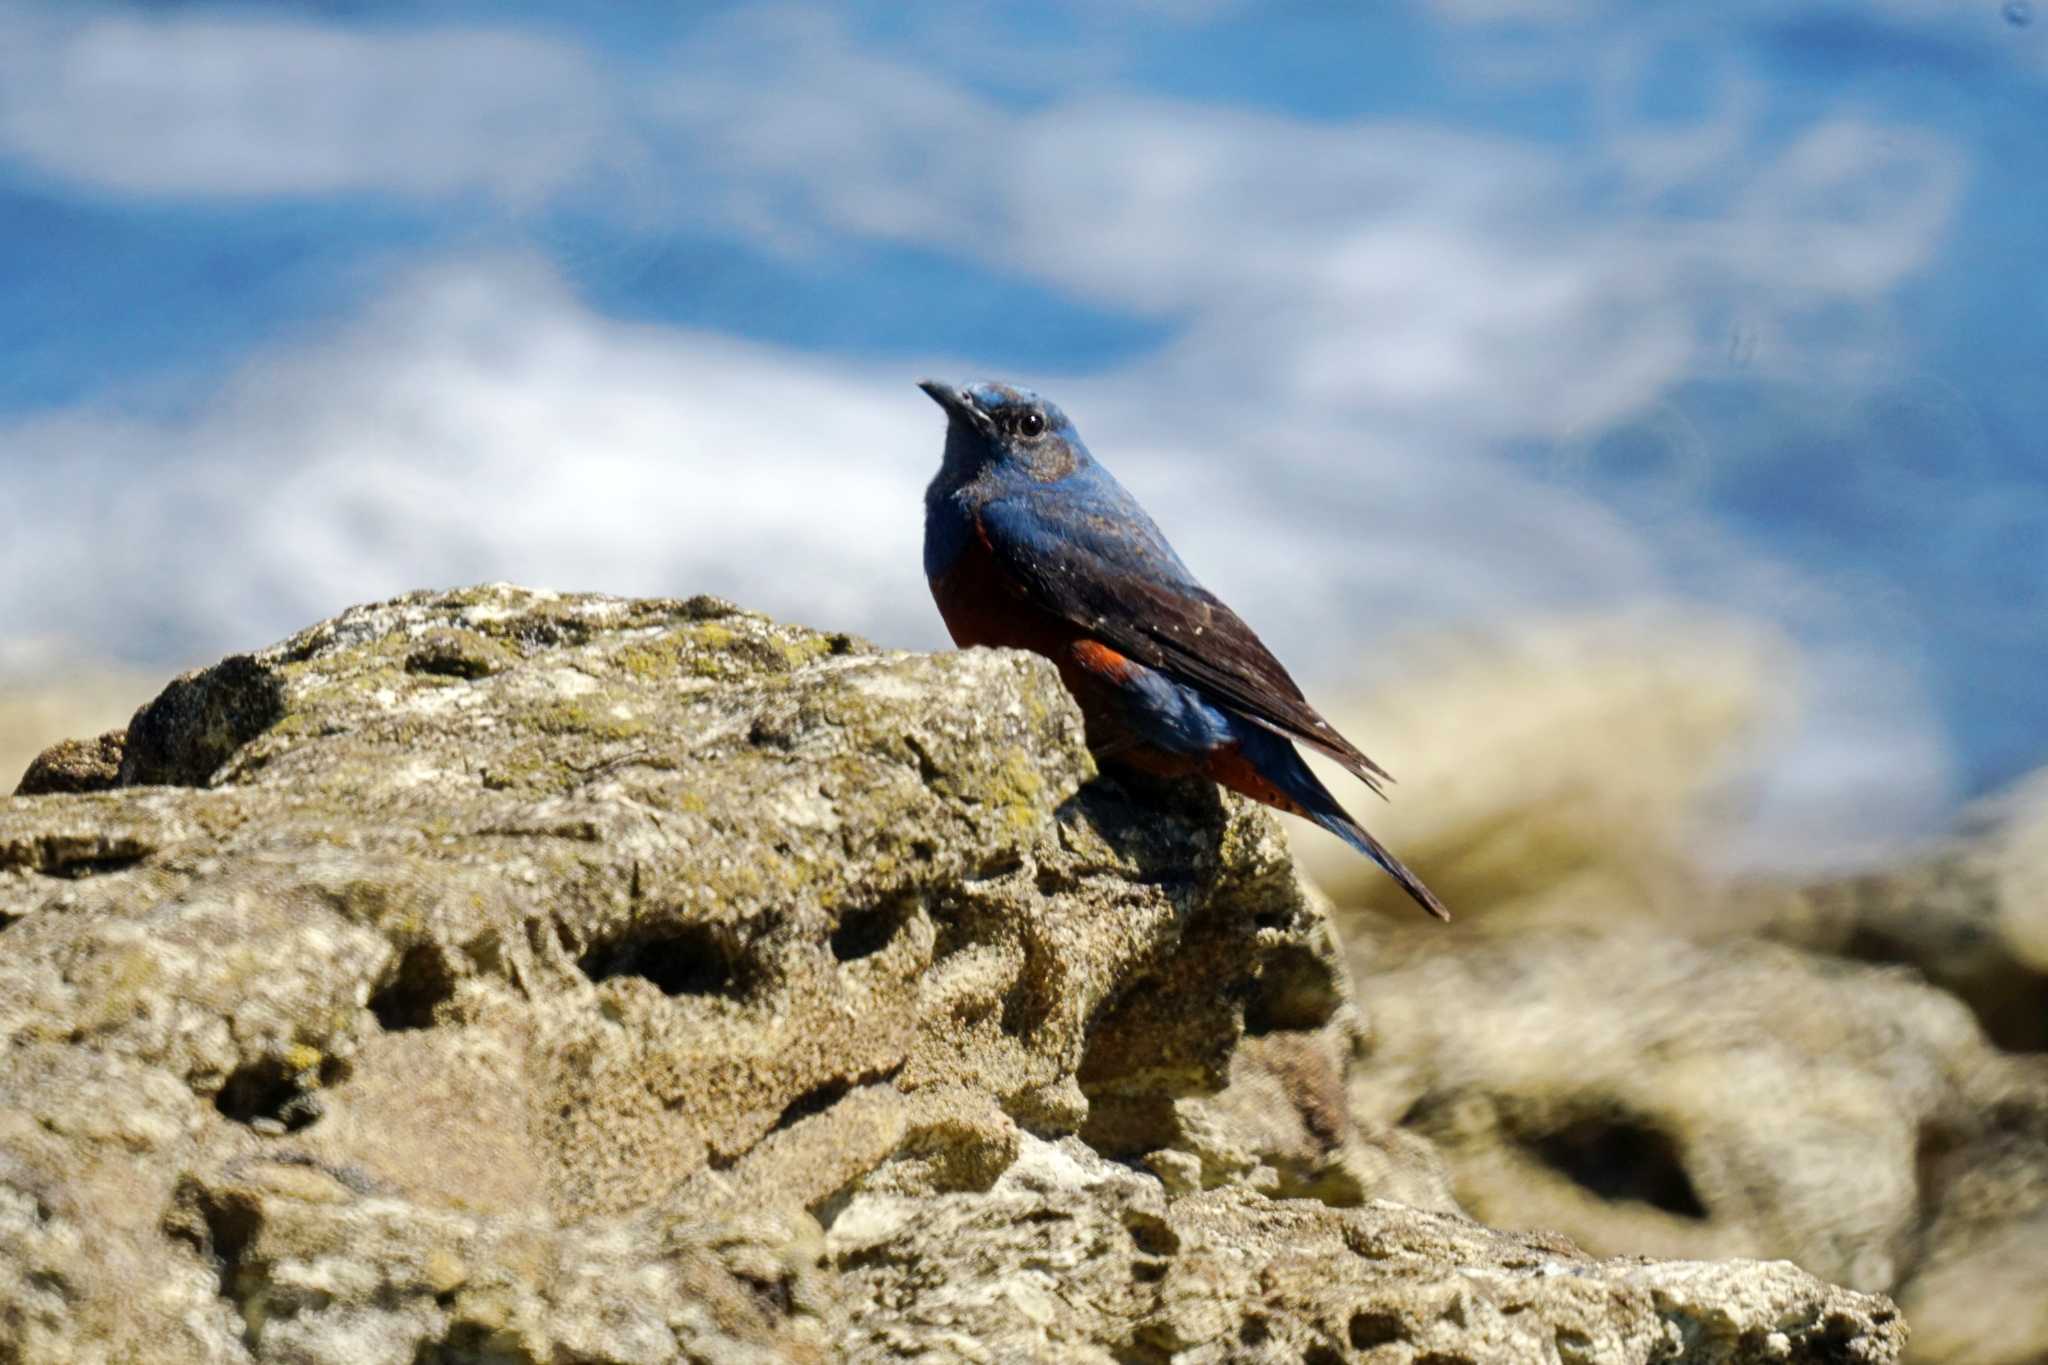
[(982, 604)]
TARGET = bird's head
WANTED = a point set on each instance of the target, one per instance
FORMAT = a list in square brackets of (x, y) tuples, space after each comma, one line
[(1006, 430)]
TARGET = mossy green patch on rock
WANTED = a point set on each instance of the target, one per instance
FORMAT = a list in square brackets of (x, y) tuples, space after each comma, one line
[(595, 717)]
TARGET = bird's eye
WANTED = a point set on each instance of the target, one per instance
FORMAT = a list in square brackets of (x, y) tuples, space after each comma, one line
[(1030, 423)]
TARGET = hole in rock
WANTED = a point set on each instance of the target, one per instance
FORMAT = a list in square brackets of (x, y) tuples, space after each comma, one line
[(1368, 1330), (466, 1343), (2010, 1001), (776, 1297), (1294, 990), (1023, 1010), (1320, 1354), (816, 1100), (450, 655), (1618, 1157), (1573, 1346), (77, 869), (864, 932), (1935, 1145), (928, 771), (685, 960), (1151, 1234), (825, 1094), (2006, 997), (268, 1088), (408, 998), (231, 1226)]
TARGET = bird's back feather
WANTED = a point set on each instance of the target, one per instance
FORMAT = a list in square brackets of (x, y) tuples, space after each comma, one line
[(1101, 563)]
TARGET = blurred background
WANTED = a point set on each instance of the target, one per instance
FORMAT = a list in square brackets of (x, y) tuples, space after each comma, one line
[(1628, 419), (1403, 319)]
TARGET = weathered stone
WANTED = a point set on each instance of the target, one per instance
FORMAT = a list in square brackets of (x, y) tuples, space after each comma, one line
[(1643, 1092), (1979, 1285), (1070, 1257), (44, 709), (1971, 916), (513, 976), (199, 721), (76, 765)]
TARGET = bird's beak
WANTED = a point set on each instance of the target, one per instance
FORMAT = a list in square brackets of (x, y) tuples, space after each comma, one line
[(952, 400)]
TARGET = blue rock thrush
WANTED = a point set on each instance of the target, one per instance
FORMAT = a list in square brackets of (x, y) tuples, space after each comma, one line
[(1030, 544)]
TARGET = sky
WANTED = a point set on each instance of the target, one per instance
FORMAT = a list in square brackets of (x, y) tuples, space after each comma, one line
[(1410, 317)]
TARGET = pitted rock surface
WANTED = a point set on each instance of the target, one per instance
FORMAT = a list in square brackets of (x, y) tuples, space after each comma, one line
[(505, 975), (1637, 1091)]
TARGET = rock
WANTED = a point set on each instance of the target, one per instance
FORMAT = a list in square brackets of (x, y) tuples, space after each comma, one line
[(1972, 916), (76, 765), (1070, 1257), (514, 976), (1979, 1291), (1642, 1092), (200, 720), (1514, 794), (60, 698), (2019, 853)]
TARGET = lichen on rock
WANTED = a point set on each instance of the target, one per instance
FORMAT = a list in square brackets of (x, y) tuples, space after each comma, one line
[(517, 976)]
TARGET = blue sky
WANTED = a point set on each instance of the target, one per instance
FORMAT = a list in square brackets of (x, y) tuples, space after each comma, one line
[(1400, 317)]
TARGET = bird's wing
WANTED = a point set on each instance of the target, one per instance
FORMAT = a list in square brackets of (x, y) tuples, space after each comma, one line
[(1099, 562)]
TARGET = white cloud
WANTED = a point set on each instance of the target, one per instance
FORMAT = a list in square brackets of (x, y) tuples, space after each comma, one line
[(187, 105), (1467, 285), (1463, 286), (478, 421)]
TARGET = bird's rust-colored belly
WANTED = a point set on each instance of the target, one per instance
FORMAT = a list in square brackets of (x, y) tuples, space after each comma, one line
[(982, 605)]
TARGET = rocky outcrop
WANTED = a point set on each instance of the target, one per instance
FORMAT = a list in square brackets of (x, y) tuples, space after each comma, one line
[(1970, 919), (1617, 1043), (1971, 916), (1229, 1275), (1644, 1093), (55, 699), (508, 976), (76, 765)]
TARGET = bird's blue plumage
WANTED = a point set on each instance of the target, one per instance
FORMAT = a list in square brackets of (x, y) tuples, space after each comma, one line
[(1064, 500), (1173, 717), (1029, 542)]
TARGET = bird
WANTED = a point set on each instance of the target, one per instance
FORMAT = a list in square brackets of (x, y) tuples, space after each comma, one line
[(1030, 543)]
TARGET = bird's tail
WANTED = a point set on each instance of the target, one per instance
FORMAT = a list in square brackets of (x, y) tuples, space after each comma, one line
[(1353, 833), (1267, 768)]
